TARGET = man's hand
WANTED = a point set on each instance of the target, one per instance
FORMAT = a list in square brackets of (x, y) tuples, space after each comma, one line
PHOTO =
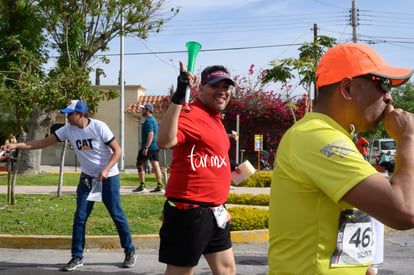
[(399, 124), (103, 175), (182, 83), (3, 155), (184, 79), (237, 170), (8, 147)]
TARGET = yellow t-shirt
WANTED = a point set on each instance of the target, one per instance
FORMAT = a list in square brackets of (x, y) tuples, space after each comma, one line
[(317, 164)]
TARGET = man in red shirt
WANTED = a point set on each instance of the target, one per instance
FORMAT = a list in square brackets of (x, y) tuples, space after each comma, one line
[(195, 220), (362, 145)]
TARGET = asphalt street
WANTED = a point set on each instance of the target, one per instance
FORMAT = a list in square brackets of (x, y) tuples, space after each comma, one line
[(251, 259)]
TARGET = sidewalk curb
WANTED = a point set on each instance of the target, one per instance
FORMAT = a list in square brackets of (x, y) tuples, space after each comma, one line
[(150, 241)]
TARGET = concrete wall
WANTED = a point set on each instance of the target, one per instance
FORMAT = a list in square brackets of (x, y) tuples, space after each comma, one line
[(109, 112)]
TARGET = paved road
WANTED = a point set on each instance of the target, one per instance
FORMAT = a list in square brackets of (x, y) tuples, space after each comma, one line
[(251, 259)]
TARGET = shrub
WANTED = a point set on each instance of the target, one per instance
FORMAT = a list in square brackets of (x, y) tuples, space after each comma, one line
[(260, 199), (258, 179), (246, 218), (249, 199)]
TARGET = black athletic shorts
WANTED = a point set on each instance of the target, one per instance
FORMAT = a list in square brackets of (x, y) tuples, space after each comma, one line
[(151, 155), (185, 235)]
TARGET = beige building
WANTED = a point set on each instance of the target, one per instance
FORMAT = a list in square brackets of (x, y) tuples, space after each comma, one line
[(109, 112)]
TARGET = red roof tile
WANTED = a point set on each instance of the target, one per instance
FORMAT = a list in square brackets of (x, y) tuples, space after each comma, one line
[(160, 103)]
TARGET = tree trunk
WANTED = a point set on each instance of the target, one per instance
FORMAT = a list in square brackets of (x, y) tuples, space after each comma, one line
[(14, 177), (39, 125)]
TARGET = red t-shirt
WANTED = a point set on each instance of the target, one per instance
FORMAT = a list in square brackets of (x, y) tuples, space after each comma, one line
[(360, 145), (200, 168)]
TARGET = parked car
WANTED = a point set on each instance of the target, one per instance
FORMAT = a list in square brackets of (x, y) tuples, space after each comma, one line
[(381, 146)]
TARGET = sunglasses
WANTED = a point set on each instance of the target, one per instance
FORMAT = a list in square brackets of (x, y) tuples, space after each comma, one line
[(386, 83)]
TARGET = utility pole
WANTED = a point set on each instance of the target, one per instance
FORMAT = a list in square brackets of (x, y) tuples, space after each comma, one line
[(238, 139), (354, 21), (122, 92), (315, 42)]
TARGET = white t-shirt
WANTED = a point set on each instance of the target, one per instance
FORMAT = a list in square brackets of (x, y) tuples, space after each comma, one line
[(90, 146)]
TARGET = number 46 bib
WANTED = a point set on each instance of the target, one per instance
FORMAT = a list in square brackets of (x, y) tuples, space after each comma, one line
[(355, 240)]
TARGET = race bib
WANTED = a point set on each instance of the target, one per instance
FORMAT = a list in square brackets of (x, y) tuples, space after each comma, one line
[(221, 215), (355, 240)]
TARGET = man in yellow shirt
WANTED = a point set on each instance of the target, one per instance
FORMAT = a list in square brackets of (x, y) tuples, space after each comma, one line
[(322, 189)]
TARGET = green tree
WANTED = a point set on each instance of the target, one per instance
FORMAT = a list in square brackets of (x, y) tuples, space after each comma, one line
[(76, 30), (403, 97), (21, 58), (285, 70), (271, 113), (79, 29)]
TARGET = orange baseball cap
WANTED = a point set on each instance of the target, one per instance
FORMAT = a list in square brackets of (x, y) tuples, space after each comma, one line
[(354, 59)]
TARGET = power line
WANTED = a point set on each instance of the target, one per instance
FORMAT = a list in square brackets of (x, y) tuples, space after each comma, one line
[(250, 24), (327, 4), (288, 22), (155, 54), (205, 50), (242, 19)]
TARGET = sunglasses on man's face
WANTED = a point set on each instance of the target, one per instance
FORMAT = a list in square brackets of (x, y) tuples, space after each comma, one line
[(386, 83)]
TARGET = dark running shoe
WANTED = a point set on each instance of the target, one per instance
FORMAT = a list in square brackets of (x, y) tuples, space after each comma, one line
[(130, 260), (73, 264), (158, 189), (140, 189)]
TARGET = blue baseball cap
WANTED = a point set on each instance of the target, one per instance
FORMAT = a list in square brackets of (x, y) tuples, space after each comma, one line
[(148, 106), (75, 106)]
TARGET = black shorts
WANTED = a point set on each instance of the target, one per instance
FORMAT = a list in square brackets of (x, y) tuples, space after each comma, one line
[(152, 155), (185, 235)]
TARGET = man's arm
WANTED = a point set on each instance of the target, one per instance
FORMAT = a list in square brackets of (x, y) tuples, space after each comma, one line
[(117, 151), (391, 201), (167, 132), (150, 137), (33, 144)]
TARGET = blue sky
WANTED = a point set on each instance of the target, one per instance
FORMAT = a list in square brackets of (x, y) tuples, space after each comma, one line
[(239, 33)]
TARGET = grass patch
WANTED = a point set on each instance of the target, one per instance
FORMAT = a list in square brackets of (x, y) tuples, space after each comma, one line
[(36, 214), (50, 215), (72, 179)]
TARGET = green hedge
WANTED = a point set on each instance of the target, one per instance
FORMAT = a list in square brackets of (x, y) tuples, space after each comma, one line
[(258, 179), (249, 199), (246, 218)]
